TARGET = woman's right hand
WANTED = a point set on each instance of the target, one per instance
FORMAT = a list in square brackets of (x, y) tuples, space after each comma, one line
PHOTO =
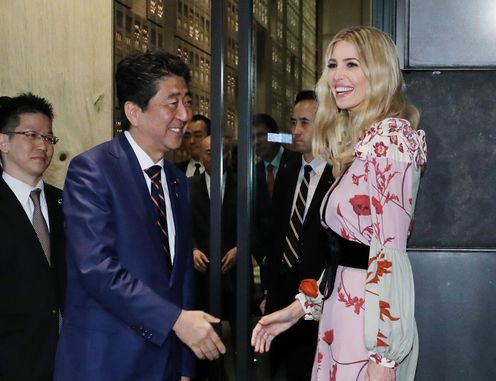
[(270, 326)]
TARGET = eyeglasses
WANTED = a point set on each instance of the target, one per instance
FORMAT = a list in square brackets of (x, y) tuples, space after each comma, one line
[(35, 136)]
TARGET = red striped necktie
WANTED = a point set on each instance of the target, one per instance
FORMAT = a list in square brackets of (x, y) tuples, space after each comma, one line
[(157, 196)]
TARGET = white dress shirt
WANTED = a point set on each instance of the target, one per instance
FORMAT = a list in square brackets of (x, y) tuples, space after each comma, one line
[(146, 162), (276, 162), (23, 191), (190, 170), (318, 166)]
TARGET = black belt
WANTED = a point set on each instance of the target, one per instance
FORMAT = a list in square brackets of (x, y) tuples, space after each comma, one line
[(348, 253), (343, 252)]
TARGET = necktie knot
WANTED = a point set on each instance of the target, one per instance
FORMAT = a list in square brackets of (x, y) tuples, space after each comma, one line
[(197, 169), (153, 172), (35, 196), (307, 168), (270, 168)]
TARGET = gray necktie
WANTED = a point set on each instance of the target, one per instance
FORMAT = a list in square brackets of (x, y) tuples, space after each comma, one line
[(39, 223)]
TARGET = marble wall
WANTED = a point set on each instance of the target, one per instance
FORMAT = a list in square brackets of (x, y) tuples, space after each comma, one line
[(61, 50)]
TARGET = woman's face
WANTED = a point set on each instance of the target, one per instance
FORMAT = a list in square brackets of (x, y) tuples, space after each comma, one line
[(346, 78)]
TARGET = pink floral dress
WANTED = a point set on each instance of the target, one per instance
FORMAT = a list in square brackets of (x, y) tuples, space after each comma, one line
[(370, 314)]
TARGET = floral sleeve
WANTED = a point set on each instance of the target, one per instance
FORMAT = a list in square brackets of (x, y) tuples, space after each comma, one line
[(311, 298), (392, 154)]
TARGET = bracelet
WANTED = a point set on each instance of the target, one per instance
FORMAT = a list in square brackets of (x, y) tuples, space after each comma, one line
[(379, 360)]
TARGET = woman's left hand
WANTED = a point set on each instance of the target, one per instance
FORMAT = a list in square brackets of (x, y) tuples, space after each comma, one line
[(376, 372)]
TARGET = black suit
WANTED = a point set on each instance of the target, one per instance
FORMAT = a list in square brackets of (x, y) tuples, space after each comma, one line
[(31, 291), (296, 347), (200, 203), (263, 208), (182, 165)]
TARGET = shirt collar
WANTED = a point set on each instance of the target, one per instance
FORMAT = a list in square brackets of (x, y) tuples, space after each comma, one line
[(21, 189), (318, 165), (276, 160), (144, 160)]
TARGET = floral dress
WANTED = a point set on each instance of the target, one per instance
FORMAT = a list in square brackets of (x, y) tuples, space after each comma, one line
[(370, 313)]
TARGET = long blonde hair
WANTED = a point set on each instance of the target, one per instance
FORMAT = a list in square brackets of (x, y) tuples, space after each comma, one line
[(337, 131)]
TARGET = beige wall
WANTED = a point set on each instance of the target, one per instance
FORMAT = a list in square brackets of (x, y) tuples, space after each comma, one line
[(61, 50), (337, 14)]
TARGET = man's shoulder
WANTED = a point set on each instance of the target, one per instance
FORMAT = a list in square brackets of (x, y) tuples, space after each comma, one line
[(182, 165), (290, 157), (52, 190)]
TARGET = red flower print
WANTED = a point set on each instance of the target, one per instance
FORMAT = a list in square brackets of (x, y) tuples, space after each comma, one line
[(320, 356), (345, 234), (377, 205), (328, 336), (400, 148), (383, 266), (334, 372), (309, 287), (355, 179), (384, 311), (361, 204), (381, 342), (393, 139), (358, 304), (380, 149)]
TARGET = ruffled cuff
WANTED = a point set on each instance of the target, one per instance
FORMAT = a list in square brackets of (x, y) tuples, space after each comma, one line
[(378, 359), (310, 299)]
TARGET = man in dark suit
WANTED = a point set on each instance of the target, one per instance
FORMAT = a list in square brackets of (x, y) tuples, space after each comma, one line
[(295, 257), (128, 312), (200, 202), (32, 264), (274, 159), (196, 130)]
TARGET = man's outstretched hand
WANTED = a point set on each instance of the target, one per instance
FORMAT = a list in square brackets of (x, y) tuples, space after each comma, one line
[(194, 328)]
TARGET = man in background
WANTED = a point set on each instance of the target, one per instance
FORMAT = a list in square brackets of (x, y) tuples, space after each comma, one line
[(32, 263), (299, 249), (274, 159), (200, 203), (196, 130), (128, 312)]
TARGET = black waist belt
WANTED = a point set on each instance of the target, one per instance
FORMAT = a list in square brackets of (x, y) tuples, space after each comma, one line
[(348, 253)]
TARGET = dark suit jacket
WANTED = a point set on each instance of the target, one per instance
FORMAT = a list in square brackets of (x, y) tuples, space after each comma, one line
[(31, 292), (312, 243), (200, 202), (182, 165), (122, 302), (312, 248), (263, 207)]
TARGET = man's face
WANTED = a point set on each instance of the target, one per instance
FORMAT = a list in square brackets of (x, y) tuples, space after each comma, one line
[(196, 131), (263, 148), (160, 127), (206, 154), (302, 126), (27, 157)]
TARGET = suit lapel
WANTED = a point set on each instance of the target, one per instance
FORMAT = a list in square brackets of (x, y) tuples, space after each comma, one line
[(134, 184), (13, 211), (323, 186)]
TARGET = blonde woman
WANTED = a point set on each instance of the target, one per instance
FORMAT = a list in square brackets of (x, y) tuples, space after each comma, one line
[(364, 301)]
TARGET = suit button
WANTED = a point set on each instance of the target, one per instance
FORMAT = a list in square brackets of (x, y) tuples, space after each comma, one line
[(54, 312)]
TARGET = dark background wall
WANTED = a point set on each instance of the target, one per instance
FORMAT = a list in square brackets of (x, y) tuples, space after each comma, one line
[(453, 246), (454, 265), (456, 207)]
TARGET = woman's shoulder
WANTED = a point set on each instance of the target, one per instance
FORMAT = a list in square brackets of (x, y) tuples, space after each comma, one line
[(393, 138)]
